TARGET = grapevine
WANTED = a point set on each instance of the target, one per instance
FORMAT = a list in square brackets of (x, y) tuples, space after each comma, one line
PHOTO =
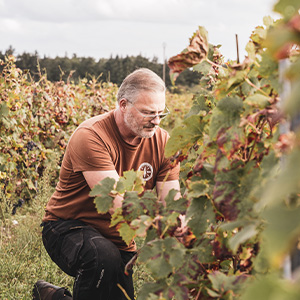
[(241, 204), (37, 119)]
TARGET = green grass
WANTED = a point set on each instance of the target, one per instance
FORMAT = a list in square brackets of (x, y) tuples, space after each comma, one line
[(23, 259)]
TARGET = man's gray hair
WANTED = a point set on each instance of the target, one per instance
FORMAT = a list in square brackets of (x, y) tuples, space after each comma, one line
[(141, 79)]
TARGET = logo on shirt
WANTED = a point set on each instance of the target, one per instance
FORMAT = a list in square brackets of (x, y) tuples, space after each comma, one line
[(147, 169)]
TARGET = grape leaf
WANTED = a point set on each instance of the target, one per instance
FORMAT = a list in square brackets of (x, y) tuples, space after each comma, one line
[(103, 200), (258, 100), (200, 214), (151, 291), (141, 225), (204, 68), (185, 135), (194, 54), (287, 8), (131, 180), (242, 236), (286, 183), (161, 256), (291, 104), (222, 283), (126, 232), (282, 231), (172, 205), (270, 287), (132, 206), (226, 114), (149, 203)]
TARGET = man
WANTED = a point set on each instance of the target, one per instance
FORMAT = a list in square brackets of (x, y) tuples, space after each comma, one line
[(77, 238)]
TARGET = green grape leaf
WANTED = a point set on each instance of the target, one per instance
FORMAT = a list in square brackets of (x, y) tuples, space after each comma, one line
[(149, 202), (116, 217), (141, 225), (291, 104), (258, 100), (176, 252), (212, 293), (152, 290), (176, 291), (161, 256), (281, 233), (242, 236), (270, 287), (126, 232), (131, 181), (226, 114), (204, 67), (204, 102), (103, 200), (232, 189), (160, 268), (268, 65), (198, 188), (104, 187), (200, 215), (185, 135), (132, 206), (286, 183), (235, 80), (172, 205), (222, 283), (259, 35), (287, 8)]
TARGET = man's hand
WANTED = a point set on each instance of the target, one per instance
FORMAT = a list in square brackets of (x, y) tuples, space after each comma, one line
[(163, 188), (183, 233)]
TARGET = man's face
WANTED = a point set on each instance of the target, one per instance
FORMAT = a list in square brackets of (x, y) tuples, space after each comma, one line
[(136, 118)]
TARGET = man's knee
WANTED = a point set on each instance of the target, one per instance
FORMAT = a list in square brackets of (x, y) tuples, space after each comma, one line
[(101, 254), (100, 265)]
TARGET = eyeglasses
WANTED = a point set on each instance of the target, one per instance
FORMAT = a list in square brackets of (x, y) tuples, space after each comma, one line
[(150, 117)]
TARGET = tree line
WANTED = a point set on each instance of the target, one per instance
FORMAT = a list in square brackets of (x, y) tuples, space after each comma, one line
[(113, 69)]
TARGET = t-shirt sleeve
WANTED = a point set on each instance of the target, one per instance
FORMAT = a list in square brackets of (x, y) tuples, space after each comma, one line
[(169, 169), (88, 152)]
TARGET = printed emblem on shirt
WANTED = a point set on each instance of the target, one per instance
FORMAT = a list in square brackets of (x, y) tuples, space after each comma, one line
[(147, 169)]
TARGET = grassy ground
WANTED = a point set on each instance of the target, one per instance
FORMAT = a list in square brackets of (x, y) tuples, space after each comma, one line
[(23, 259)]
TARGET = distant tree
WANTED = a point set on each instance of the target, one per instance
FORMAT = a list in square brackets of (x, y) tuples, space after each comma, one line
[(85, 67), (29, 62), (10, 51), (114, 69)]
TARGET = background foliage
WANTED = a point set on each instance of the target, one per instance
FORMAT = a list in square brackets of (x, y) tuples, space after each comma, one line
[(38, 118)]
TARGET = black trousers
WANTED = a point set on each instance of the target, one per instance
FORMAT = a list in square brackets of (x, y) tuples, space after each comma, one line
[(95, 262)]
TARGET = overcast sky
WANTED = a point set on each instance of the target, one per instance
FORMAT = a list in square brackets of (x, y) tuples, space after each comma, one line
[(104, 28)]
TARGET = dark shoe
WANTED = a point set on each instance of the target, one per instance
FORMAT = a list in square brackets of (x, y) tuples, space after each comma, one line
[(45, 291)]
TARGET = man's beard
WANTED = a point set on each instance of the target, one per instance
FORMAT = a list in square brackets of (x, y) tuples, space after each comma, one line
[(137, 129)]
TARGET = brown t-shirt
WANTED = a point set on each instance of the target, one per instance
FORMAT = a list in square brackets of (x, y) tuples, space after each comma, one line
[(97, 145)]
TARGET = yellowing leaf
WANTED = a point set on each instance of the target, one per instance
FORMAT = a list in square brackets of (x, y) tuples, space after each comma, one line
[(126, 232), (195, 53)]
